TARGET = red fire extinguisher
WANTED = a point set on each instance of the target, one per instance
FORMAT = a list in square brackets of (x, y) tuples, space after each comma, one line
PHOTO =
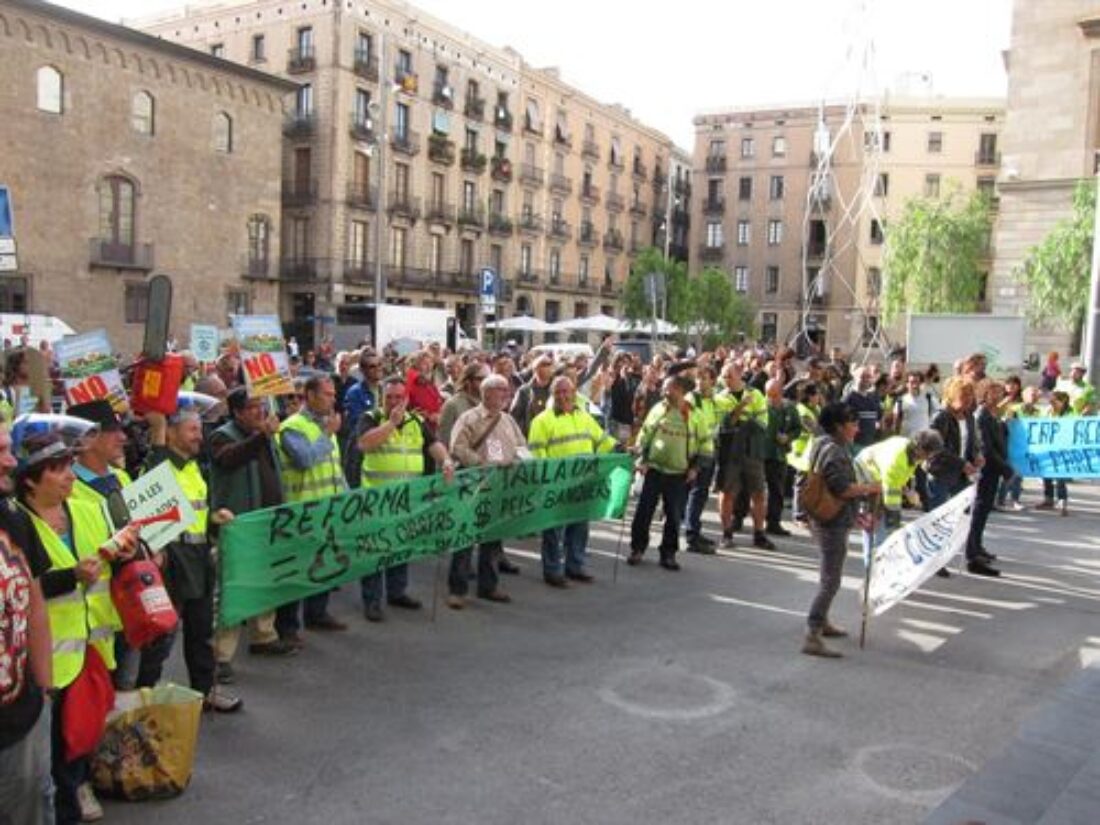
[(139, 594)]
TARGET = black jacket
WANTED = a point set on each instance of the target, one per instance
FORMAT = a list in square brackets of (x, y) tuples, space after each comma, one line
[(947, 466), (991, 440)]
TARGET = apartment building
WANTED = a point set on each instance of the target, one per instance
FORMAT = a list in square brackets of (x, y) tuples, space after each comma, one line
[(416, 155), (804, 242), (117, 151), (1051, 138)]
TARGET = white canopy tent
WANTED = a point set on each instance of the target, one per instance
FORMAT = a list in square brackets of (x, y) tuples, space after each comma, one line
[(593, 323), (522, 323)]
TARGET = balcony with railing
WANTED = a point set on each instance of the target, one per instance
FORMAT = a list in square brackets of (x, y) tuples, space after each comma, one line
[(716, 164), (402, 205), (473, 161), (987, 158), (711, 253), (304, 270), (637, 245), (297, 194), (613, 240), (590, 193), (615, 164), (559, 229), (108, 253), (609, 289), (532, 127), (660, 179), (362, 195), (407, 81), (615, 202), (715, 205), (815, 249), (681, 188), (639, 171), (441, 150), (531, 175), (503, 119), (441, 212), (410, 277), (443, 95), (530, 223), (529, 276), (365, 65), (590, 150), (299, 124), (359, 271), (588, 236), (500, 225), (256, 268), (362, 127), (560, 184), (501, 169), (474, 108), (562, 139), (406, 143), (639, 208), (301, 60), (471, 215)]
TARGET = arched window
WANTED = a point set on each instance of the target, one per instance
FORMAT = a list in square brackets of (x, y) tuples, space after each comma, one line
[(51, 88), (116, 219), (141, 113), (223, 133)]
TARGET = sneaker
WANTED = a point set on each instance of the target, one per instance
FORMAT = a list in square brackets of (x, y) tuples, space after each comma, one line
[(727, 542), (762, 541), (456, 602), (221, 701), (224, 674), (696, 546), (1016, 507), (90, 809)]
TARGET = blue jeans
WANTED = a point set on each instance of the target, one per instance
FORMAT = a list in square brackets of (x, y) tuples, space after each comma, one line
[(575, 539), (396, 583), (26, 787), (697, 497), (1010, 488)]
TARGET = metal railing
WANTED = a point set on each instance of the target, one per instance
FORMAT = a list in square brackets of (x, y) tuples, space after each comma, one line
[(110, 253)]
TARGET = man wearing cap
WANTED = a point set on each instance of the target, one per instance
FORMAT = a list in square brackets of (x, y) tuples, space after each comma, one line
[(244, 476), (187, 561), (99, 465), (1082, 395), (310, 457), (564, 429)]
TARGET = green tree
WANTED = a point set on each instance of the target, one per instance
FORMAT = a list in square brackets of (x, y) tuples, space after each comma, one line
[(1057, 272), (636, 304), (717, 313), (936, 255)]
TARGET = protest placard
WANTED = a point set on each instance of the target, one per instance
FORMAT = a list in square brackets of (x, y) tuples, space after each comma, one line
[(204, 342), (282, 554), (89, 370), (154, 493), (264, 359), (912, 554), (1065, 447)]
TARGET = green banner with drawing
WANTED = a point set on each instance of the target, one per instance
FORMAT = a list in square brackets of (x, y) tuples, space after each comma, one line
[(271, 557)]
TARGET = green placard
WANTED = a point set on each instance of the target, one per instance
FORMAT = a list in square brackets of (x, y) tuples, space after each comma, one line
[(282, 554)]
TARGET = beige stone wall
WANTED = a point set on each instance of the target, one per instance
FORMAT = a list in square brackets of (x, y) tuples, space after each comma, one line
[(193, 203)]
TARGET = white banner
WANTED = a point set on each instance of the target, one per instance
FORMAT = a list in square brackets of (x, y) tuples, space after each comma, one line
[(912, 554), (154, 493)]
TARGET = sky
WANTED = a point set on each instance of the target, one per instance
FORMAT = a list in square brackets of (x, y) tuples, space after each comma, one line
[(702, 55)]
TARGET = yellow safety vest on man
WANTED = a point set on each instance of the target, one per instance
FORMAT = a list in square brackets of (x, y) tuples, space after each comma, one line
[(667, 440), (400, 456), (799, 454), (705, 417), (326, 478), (754, 405), (887, 463), (193, 486), (560, 434), (86, 613), (83, 491)]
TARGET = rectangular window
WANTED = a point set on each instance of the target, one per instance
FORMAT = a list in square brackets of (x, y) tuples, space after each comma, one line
[(435, 254), (582, 271), (259, 48), (362, 108), (298, 235), (769, 327), (137, 303), (776, 187), (439, 189), (742, 233), (305, 41), (741, 278), (364, 47), (744, 189), (399, 246), (401, 180), (238, 302), (714, 235), (466, 256), (771, 280), (304, 101), (874, 282), (882, 185), (987, 149), (748, 147), (525, 259), (871, 140), (13, 294), (870, 330), (775, 232), (496, 201), (357, 244), (469, 195), (401, 123), (931, 186), (555, 265), (496, 257), (779, 146), (876, 232), (987, 185), (217, 50), (935, 142), (716, 149)]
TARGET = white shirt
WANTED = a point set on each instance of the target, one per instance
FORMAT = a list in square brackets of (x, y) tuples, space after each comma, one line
[(917, 412)]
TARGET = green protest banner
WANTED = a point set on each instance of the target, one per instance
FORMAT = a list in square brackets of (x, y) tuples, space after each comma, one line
[(282, 554)]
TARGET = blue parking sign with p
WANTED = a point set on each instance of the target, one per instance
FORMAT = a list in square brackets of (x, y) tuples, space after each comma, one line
[(488, 282), (6, 220)]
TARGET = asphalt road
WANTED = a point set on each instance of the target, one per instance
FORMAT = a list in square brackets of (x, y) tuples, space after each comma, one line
[(655, 697)]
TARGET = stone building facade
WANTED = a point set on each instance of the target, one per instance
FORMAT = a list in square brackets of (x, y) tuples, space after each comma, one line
[(1051, 137), (128, 156), (802, 240), (416, 155)]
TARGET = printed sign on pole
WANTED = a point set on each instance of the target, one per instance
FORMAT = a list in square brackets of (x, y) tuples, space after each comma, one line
[(488, 290), (89, 370), (204, 342), (154, 493), (263, 355)]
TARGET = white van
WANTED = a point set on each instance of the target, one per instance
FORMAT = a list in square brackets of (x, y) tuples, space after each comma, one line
[(37, 328)]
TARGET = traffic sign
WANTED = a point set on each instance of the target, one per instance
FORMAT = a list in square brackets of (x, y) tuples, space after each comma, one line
[(9, 263), (488, 289)]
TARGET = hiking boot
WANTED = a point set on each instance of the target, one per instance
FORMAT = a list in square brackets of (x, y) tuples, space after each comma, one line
[(832, 631), (814, 646)]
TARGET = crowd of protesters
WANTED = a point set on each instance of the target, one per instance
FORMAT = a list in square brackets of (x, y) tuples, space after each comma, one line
[(749, 423)]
